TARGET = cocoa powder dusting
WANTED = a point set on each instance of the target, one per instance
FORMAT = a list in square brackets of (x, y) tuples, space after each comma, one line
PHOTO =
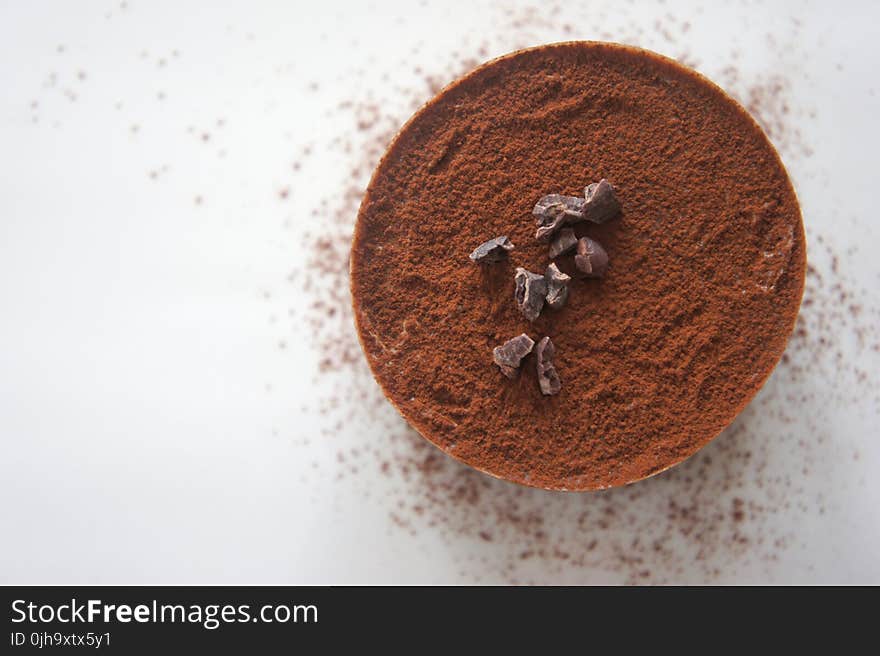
[(705, 265), (785, 462), (721, 509)]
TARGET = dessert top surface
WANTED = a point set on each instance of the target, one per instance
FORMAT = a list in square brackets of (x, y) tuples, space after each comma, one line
[(704, 280)]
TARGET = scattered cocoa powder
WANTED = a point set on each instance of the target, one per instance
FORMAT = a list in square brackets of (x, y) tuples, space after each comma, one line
[(722, 511), (726, 510)]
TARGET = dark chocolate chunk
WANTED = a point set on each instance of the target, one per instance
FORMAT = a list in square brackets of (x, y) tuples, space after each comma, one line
[(553, 205), (510, 354), (591, 258), (492, 251), (555, 210), (548, 379), (545, 233), (557, 287), (531, 289), (601, 203), (562, 243)]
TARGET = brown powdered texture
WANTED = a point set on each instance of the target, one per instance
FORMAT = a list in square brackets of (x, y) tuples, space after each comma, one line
[(727, 514), (705, 278), (749, 507)]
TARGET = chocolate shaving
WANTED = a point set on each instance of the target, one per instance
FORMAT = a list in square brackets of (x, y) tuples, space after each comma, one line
[(555, 210), (531, 289), (557, 287), (591, 258), (492, 251), (548, 379), (509, 355), (601, 203), (562, 243)]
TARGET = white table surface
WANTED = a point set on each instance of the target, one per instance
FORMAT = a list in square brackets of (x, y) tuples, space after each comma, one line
[(163, 413)]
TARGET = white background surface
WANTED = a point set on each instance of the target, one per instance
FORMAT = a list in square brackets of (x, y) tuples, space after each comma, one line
[(152, 430)]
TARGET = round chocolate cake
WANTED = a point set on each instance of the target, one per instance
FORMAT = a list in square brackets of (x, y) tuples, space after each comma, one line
[(696, 275)]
